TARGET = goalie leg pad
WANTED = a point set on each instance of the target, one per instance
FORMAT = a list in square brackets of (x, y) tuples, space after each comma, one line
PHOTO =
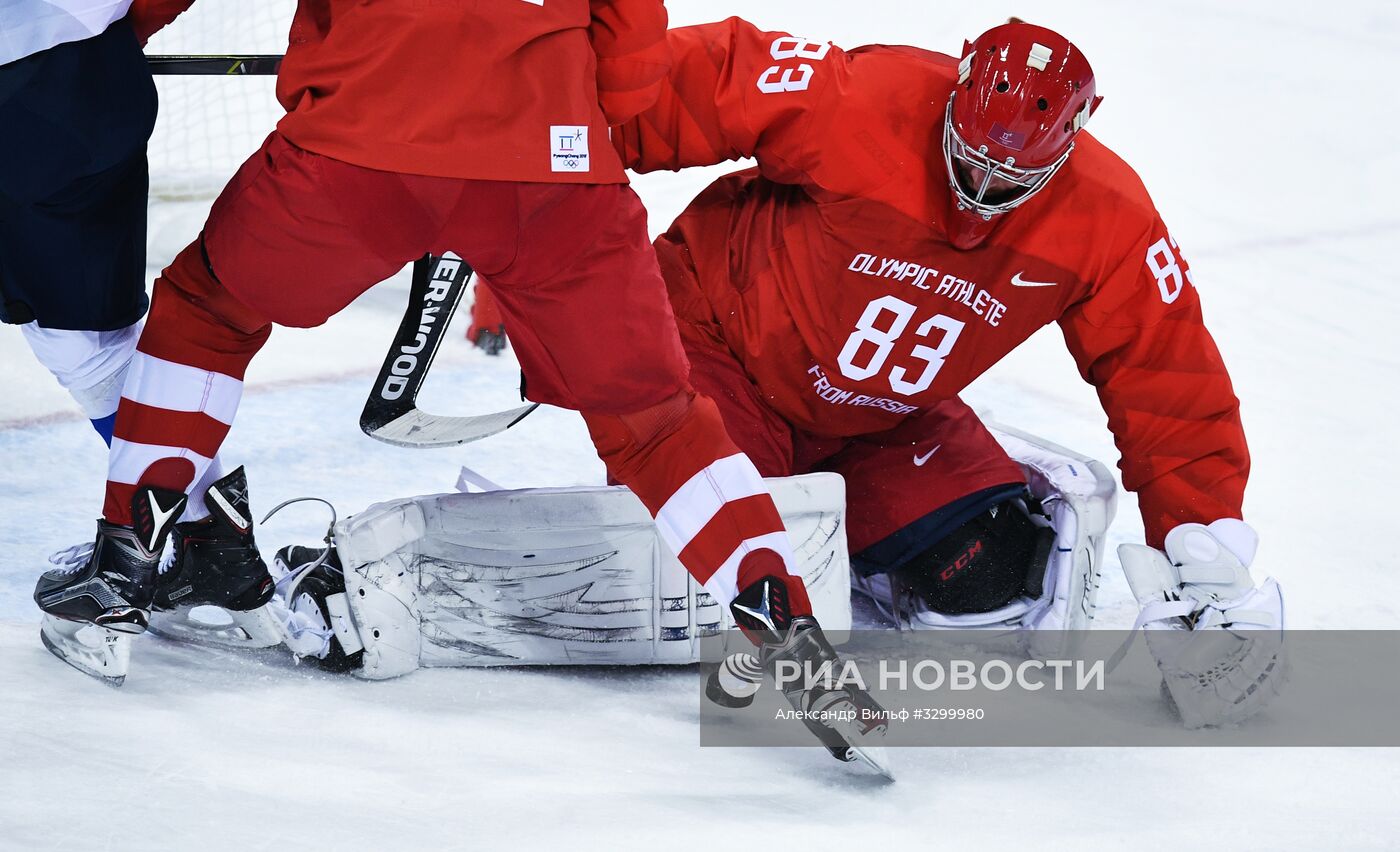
[(383, 606), (560, 576), (1079, 495)]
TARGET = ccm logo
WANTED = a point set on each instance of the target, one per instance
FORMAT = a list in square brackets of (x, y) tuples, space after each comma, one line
[(961, 562)]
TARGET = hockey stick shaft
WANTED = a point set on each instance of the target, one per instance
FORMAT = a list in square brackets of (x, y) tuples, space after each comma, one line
[(435, 290), (391, 413), (232, 65)]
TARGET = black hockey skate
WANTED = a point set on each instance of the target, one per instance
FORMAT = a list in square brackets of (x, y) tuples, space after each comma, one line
[(115, 585), (100, 595), (762, 611), (311, 576), (492, 341), (215, 562)]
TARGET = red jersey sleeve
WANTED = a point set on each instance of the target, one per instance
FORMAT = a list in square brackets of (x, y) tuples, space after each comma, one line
[(1139, 338), (733, 91), (629, 39), (149, 16)]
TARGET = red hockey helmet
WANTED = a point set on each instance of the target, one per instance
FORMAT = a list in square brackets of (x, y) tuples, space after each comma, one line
[(1023, 93)]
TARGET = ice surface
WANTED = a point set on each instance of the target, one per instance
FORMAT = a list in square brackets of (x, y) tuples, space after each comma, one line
[(1256, 126)]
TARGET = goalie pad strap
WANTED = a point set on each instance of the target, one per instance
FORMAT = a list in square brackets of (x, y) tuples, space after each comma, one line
[(342, 624), (1209, 574)]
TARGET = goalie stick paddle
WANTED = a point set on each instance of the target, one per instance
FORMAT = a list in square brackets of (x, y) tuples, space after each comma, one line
[(391, 413), (221, 65)]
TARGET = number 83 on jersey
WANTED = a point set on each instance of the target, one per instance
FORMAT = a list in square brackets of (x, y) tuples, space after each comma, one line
[(880, 326)]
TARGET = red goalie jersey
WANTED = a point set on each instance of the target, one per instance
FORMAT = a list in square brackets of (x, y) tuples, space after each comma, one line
[(834, 281)]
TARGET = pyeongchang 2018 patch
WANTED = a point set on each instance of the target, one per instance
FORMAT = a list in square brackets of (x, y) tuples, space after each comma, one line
[(568, 148)]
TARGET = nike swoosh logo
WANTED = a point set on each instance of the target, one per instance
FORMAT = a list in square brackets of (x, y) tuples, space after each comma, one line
[(233, 514), (919, 460), (159, 516), (1018, 281)]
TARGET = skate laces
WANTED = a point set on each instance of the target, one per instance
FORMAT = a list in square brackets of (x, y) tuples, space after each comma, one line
[(306, 632), (167, 556), (294, 577), (71, 559), (305, 635)]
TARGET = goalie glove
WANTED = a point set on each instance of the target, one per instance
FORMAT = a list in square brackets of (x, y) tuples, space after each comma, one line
[(1217, 638)]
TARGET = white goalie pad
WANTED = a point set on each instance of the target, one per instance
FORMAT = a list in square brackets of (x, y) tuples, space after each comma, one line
[(1080, 496), (553, 576)]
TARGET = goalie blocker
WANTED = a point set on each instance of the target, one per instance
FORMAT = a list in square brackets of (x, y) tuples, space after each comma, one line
[(578, 576)]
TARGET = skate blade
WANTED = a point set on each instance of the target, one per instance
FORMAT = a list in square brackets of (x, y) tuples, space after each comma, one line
[(95, 651), (213, 626), (864, 747), (874, 757)]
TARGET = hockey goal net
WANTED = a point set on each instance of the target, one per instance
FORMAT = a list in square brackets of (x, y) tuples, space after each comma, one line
[(208, 125)]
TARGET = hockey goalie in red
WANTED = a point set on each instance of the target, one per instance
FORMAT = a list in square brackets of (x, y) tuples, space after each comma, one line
[(913, 218), (479, 129)]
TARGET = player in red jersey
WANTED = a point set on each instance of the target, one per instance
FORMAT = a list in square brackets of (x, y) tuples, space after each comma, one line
[(912, 219), (414, 128), (488, 329)]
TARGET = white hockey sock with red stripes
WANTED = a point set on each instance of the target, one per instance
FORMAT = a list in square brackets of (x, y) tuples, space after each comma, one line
[(719, 516), (168, 412)]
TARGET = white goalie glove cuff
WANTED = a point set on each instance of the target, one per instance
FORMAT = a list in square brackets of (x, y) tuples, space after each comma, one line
[(1203, 577), (1231, 663)]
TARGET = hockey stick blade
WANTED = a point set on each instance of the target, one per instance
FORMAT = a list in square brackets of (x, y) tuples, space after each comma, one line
[(391, 413), (256, 64), (420, 430)]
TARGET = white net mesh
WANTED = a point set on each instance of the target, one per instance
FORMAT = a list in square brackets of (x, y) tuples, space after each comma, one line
[(209, 125)]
